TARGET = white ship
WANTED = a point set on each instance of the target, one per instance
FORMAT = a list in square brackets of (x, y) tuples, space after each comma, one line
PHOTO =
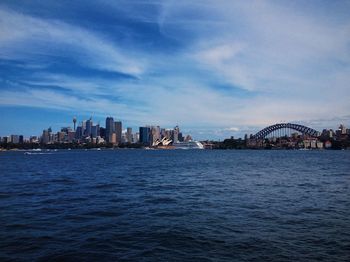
[(188, 145)]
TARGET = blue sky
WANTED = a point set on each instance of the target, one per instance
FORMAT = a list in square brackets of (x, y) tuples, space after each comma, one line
[(216, 68)]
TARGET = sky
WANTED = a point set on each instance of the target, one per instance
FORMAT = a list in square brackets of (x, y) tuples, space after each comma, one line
[(215, 68)]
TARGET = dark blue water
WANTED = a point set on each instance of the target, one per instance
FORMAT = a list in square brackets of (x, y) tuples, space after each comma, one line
[(175, 206)]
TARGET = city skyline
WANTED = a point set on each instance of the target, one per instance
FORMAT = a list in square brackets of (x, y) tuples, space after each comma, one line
[(217, 70)]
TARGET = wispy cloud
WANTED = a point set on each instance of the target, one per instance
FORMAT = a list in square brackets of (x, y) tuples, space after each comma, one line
[(25, 37), (232, 67)]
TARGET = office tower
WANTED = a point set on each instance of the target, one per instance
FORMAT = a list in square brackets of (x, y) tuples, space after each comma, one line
[(95, 131), (109, 129), (113, 139), (61, 136), (45, 138), (118, 131), (15, 139), (129, 135), (79, 132), (175, 136), (136, 137), (103, 132), (70, 136), (88, 127), (145, 133), (66, 129), (83, 128), (155, 134), (181, 138)]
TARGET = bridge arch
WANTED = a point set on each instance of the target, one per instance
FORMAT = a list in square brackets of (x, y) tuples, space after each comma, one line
[(300, 128)]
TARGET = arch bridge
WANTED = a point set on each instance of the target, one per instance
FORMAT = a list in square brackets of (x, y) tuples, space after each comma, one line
[(283, 127)]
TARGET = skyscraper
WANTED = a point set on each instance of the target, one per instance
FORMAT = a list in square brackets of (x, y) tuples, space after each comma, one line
[(88, 127), (145, 133), (176, 132), (129, 135), (83, 128), (95, 131), (118, 131), (155, 134), (109, 129)]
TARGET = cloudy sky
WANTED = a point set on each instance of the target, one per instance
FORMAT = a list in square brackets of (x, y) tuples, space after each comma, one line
[(216, 68)]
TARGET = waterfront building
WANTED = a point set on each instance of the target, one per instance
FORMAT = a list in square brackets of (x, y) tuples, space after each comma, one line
[(145, 133), (79, 132), (70, 136), (83, 128), (109, 129), (319, 144), (15, 139), (102, 132), (89, 125), (175, 136), (33, 139), (95, 131), (342, 129), (46, 136), (136, 137), (118, 131), (61, 137), (313, 144), (66, 129), (129, 137), (181, 138), (113, 139), (155, 134)]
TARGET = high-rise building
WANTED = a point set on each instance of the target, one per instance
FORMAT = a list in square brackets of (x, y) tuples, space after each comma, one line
[(129, 135), (70, 136), (103, 132), (136, 137), (145, 133), (83, 128), (155, 134), (61, 136), (88, 127), (109, 129), (175, 136), (46, 136), (79, 132), (118, 131), (181, 138), (66, 129), (95, 131), (15, 139)]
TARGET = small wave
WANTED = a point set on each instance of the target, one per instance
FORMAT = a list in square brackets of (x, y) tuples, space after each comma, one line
[(161, 200)]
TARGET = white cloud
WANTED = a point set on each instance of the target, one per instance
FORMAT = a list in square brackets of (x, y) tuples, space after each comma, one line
[(23, 37), (294, 65)]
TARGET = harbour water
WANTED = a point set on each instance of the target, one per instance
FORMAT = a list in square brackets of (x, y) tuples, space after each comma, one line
[(174, 205)]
